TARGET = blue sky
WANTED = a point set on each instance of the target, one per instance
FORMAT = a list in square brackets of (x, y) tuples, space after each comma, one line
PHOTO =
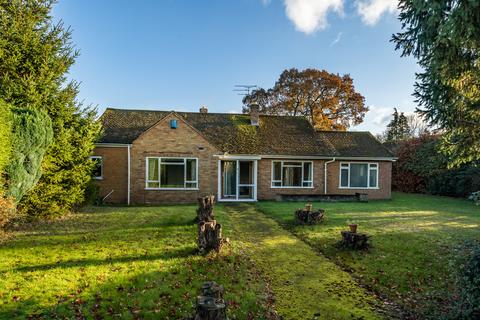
[(179, 54)]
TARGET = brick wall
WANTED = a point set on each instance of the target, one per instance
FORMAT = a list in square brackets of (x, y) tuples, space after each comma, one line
[(115, 170), (163, 141), (264, 180), (384, 181)]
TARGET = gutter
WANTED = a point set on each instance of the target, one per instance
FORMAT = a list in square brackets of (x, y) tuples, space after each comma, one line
[(325, 174), (268, 156)]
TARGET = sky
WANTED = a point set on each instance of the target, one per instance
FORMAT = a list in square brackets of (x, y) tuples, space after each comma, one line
[(182, 54)]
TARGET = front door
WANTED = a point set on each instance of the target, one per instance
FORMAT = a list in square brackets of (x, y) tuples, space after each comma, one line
[(237, 180)]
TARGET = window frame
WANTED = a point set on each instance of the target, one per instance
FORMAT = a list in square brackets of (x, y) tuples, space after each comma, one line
[(272, 180), (185, 181), (369, 164), (101, 167)]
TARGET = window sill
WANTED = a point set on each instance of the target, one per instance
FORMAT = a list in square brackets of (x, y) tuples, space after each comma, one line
[(170, 189), (97, 178), (359, 188), (272, 187)]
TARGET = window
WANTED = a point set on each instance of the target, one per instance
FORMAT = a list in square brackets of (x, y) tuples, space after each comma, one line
[(97, 172), (292, 174), (358, 175), (172, 173)]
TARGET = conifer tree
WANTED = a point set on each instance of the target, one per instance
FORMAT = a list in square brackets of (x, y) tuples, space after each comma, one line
[(444, 36), (35, 57), (398, 128)]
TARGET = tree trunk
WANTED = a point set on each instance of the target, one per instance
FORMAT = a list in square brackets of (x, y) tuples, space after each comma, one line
[(307, 216), (355, 240), (205, 208), (209, 236), (211, 305)]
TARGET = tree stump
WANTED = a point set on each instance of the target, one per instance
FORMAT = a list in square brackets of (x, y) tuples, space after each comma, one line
[(354, 240), (305, 216), (209, 237), (205, 208), (211, 305)]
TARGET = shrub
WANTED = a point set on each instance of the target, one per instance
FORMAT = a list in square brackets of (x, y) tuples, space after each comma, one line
[(92, 194), (7, 210), (475, 196), (467, 284), (32, 133), (421, 168)]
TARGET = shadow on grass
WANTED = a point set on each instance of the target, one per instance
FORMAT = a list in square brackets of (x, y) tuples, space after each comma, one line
[(168, 293), (177, 253)]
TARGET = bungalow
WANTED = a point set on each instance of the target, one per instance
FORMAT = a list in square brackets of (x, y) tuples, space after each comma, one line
[(147, 157)]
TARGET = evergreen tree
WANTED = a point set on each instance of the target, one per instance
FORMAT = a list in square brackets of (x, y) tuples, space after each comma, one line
[(5, 136), (35, 56), (398, 128), (32, 134), (444, 36)]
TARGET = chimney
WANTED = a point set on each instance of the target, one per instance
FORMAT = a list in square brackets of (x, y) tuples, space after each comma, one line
[(254, 114), (203, 109)]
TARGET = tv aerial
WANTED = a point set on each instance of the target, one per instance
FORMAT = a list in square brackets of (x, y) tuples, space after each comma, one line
[(244, 89)]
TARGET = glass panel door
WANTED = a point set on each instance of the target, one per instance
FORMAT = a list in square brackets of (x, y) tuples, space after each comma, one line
[(229, 179), (246, 185), (237, 180)]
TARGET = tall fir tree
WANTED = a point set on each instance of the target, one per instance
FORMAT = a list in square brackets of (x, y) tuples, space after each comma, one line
[(444, 36), (35, 57), (398, 128)]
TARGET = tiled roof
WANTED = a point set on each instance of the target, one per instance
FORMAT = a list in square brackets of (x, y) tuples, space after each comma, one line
[(232, 133), (356, 144)]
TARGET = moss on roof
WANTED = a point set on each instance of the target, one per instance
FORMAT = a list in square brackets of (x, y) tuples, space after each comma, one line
[(233, 133), (356, 144)]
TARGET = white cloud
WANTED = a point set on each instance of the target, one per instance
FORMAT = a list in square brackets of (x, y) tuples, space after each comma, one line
[(266, 2), (309, 16), (380, 116), (337, 39), (372, 10)]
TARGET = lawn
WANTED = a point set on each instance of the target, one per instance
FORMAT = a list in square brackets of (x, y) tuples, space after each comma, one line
[(129, 263), (140, 262), (414, 240)]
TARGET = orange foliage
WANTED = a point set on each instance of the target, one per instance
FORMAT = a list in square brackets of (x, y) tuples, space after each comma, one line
[(328, 100)]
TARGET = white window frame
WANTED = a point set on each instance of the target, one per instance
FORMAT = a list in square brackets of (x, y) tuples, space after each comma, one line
[(101, 167), (237, 191), (281, 175), (185, 181), (368, 175)]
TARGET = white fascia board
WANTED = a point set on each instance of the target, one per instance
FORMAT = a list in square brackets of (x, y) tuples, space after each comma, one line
[(270, 156), (237, 157), (112, 145)]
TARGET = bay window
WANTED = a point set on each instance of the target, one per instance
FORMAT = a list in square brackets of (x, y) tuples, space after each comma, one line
[(358, 175), (292, 174), (171, 173)]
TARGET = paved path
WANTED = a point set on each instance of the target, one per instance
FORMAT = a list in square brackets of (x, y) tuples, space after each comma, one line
[(306, 285)]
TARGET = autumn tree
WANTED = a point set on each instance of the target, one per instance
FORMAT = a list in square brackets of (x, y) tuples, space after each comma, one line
[(328, 100), (444, 36)]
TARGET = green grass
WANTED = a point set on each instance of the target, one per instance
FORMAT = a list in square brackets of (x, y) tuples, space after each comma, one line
[(121, 263), (306, 285), (414, 239)]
